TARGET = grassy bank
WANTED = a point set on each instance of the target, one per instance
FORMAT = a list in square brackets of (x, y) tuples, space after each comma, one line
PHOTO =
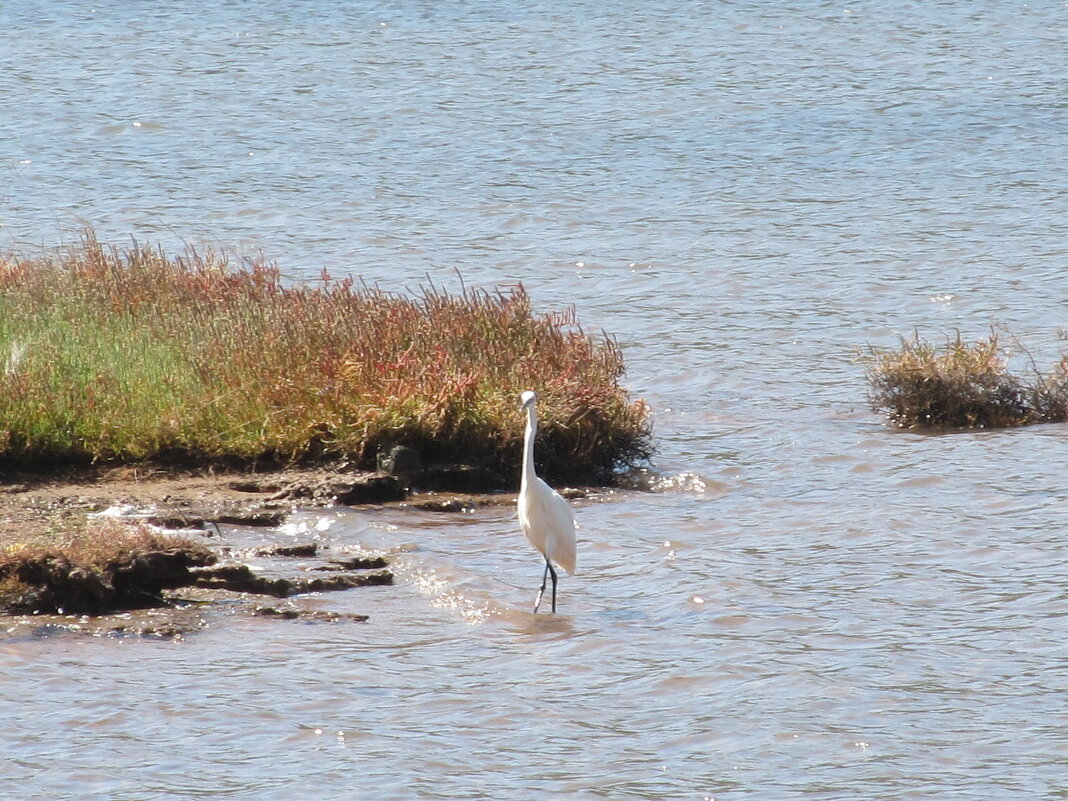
[(962, 385), (127, 355)]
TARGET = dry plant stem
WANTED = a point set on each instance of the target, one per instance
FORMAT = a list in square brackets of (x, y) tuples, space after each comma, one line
[(121, 355)]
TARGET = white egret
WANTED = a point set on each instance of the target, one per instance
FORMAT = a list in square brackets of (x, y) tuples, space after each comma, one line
[(544, 515)]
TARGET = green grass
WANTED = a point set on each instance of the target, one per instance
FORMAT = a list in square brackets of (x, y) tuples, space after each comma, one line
[(125, 355), (962, 385)]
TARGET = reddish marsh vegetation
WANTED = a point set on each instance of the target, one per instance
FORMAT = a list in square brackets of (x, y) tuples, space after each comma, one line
[(121, 355)]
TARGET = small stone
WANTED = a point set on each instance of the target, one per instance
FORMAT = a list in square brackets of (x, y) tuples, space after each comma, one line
[(376, 488), (304, 549), (460, 478), (400, 461), (273, 611), (358, 563)]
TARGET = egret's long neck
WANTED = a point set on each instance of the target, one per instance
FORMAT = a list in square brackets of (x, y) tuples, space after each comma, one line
[(528, 444)]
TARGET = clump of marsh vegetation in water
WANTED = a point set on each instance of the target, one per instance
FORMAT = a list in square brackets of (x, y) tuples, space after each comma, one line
[(104, 566), (123, 355), (962, 385)]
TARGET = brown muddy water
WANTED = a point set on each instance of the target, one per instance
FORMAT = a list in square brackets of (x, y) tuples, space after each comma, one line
[(811, 605)]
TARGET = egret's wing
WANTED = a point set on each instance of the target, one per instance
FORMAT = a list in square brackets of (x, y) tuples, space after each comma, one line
[(547, 520), (561, 540)]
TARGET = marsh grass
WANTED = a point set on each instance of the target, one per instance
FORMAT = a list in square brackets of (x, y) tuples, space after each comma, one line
[(124, 355), (962, 385)]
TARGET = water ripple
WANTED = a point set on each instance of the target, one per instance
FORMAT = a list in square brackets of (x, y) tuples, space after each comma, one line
[(809, 604)]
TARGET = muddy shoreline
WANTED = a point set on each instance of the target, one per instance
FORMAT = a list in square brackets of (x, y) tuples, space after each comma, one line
[(40, 507), (44, 511)]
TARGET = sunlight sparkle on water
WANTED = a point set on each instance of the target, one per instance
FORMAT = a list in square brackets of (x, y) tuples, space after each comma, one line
[(684, 482), (443, 594)]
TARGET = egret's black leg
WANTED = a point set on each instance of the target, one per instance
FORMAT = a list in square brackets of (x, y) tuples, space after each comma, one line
[(552, 573), (544, 576)]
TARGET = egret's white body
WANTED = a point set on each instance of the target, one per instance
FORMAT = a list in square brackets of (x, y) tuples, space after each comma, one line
[(544, 516)]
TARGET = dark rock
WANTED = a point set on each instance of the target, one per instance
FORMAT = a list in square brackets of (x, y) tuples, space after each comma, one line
[(316, 615), (400, 461), (150, 573), (258, 518), (343, 582), (272, 611), (239, 578), (356, 563), (202, 519), (374, 488), (459, 478), (305, 549)]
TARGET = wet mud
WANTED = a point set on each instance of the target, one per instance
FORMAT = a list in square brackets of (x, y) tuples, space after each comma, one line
[(174, 592)]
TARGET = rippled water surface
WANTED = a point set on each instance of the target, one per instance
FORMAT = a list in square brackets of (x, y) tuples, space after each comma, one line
[(813, 606)]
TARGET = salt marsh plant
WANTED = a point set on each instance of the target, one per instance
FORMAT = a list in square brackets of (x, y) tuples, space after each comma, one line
[(962, 385), (121, 355)]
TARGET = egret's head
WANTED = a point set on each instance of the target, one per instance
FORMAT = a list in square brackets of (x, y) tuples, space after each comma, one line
[(526, 400)]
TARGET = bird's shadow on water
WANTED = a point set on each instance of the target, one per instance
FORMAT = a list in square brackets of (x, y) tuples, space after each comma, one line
[(528, 623), (562, 626)]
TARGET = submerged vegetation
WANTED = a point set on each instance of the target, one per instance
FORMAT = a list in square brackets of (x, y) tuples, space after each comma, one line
[(123, 355), (962, 385)]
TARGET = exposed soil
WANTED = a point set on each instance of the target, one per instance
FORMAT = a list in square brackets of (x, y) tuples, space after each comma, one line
[(36, 508), (241, 578), (171, 589), (42, 514), (40, 507), (50, 582)]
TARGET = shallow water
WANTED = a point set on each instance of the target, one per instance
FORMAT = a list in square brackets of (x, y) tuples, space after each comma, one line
[(814, 606)]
